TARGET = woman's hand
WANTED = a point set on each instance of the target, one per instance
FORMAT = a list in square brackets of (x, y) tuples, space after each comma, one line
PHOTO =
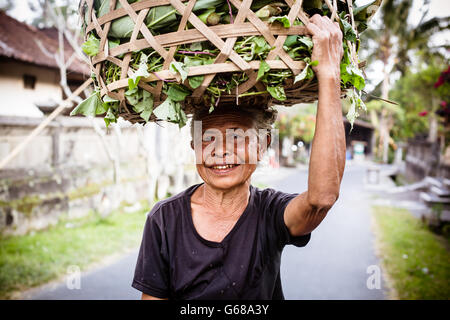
[(327, 50)]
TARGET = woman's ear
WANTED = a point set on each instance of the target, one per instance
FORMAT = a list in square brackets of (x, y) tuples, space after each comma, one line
[(192, 144)]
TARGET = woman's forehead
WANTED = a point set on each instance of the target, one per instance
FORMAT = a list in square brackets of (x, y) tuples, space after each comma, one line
[(227, 120)]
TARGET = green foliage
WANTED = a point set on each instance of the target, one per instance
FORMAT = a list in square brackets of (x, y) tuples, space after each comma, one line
[(277, 93), (171, 111), (283, 20), (91, 106), (263, 69), (415, 93), (34, 259), (164, 19), (179, 67), (300, 126), (307, 72), (142, 72), (91, 46), (415, 259)]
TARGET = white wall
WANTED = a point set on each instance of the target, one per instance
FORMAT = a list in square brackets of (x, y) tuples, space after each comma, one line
[(18, 101)]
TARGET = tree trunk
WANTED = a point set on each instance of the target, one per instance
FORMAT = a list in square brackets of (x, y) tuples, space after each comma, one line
[(433, 122), (384, 129)]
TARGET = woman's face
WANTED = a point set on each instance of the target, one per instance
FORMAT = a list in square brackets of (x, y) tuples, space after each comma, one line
[(228, 151)]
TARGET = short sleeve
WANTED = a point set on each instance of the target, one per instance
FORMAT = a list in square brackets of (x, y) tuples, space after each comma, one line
[(276, 203), (151, 275)]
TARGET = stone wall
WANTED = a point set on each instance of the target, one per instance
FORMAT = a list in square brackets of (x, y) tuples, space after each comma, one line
[(66, 171), (423, 159)]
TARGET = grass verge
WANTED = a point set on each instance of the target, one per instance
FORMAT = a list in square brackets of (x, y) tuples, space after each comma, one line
[(34, 259), (417, 261)]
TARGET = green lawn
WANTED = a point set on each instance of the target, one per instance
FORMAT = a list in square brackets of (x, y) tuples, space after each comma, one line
[(34, 259), (417, 261)]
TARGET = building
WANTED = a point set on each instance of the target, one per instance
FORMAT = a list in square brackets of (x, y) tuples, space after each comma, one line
[(29, 71), (69, 169), (360, 140)]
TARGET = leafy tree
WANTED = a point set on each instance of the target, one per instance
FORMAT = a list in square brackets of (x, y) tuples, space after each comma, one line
[(299, 126), (418, 100), (65, 8), (392, 44)]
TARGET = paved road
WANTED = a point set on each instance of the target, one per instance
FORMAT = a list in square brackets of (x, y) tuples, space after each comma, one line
[(332, 266), (334, 263)]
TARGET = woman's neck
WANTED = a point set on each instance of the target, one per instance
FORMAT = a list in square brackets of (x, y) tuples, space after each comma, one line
[(225, 203)]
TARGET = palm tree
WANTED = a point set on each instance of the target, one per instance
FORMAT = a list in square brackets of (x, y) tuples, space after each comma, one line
[(395, 40)]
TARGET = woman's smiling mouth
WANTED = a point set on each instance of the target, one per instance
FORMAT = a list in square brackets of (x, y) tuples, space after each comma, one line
[(223, 168)]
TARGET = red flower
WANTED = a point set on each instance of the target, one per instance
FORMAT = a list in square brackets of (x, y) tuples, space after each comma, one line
[(440, 82), (423, 113), (445, 76), (443, 104)]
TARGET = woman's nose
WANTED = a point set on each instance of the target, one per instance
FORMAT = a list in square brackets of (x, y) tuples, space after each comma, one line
[(220, 152), (221, 149)]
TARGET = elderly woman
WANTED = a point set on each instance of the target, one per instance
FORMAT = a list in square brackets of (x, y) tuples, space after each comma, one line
[(223, 238)]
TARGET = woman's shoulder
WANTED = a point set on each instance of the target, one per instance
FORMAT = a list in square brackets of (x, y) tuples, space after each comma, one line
[(173, 203)]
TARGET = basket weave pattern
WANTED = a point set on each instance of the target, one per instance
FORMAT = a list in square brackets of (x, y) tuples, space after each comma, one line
[(222, 36)]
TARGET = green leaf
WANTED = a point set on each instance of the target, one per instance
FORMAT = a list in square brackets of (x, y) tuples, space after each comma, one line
[(113, 43), (366, 12), (259, 46), (284, 20), (307, 72), (91, 46), (350, 73), (195, 81), (259, 41), (110, 116), (133, 96), (108, 99), (179, 67), (196, 46), (356, 103), (302, 75), (263, 68), (146, 106), (182, 118), (268, 10), (177, 92), (347, 30), (307, 41), (356, 77), (166, 110), (142, 71), (290, 41), (277, 92), (210, 17), (91, 106)]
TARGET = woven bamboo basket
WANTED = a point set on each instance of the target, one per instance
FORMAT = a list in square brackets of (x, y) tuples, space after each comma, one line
[(191, 29)]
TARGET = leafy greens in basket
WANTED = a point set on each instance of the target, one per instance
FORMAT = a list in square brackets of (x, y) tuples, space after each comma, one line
[(165, 19)]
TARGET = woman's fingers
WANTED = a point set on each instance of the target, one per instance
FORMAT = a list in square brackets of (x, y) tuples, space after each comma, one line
[(313, 29)]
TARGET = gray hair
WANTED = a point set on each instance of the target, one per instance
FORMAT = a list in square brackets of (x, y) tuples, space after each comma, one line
[(263, 118)]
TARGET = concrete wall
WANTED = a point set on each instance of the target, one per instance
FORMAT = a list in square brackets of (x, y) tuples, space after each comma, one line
[(423, 159), (66, 172)]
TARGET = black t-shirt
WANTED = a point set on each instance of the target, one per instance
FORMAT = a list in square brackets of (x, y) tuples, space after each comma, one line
[(175, 262)]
